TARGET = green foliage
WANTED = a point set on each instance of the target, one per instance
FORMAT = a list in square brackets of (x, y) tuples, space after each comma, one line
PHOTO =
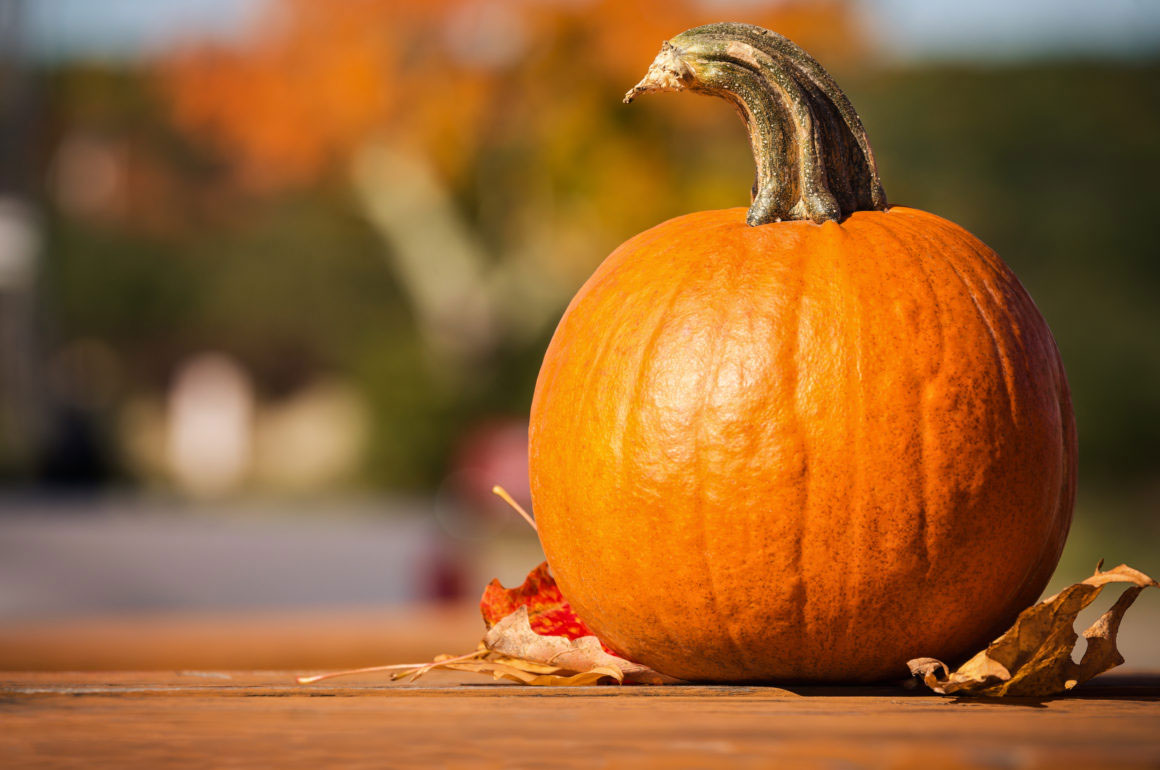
[(1055, 166)]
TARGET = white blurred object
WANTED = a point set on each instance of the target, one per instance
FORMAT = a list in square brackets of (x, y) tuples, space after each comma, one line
[(89, 176), (436, 256), (22, 400), (311, 441), (464, 301), (19, 244), (209, 434)]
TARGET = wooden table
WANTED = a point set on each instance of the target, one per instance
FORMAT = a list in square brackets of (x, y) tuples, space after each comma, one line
[(264, 719)]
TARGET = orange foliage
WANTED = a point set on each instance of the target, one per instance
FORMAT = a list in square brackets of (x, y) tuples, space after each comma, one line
[(308, 82), (316, 80), (626, 33)]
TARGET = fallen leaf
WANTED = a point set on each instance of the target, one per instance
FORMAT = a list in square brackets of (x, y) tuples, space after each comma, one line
[(512, 650), (483, 661), (516, 670), (1034, 657), (533, 638), (514, 637), (548, 611), (500, 670)]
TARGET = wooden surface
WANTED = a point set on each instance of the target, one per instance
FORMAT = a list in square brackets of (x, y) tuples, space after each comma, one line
[(264, 719), (199, 709), (265, 639)]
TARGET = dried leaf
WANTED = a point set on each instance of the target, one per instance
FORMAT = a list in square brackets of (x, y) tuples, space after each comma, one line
[(548, 611), (1033, 658), (500, 670), (513, 636), (520, 671), (533, 638), (531, 666), (512, 650)]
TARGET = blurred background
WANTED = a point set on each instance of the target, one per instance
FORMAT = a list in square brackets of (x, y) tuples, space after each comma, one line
[(276, 277)]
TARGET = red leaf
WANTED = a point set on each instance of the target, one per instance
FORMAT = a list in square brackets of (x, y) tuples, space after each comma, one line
[(548, 610)]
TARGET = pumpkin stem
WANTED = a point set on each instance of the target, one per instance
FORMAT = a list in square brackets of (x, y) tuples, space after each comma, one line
[(813, 159)]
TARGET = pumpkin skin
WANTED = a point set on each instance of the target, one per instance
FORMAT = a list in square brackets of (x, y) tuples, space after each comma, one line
[(801, 451)]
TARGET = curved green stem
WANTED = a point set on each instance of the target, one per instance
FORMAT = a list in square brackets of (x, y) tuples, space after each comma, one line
[(813, 159)]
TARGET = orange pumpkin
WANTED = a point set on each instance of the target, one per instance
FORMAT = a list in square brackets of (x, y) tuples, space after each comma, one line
[(807, 446)]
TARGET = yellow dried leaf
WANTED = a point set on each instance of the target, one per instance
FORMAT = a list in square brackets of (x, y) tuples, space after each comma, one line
[(1033, 658), (531, 666), (521, 671), (512, 650), (513, 636)]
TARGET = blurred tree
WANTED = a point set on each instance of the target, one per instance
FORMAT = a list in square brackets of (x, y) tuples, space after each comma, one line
[(419, 99), (484, 143), (21, 403), (222, 201)]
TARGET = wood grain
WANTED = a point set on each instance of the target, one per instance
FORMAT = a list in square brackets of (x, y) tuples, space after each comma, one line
[(268, 639), (261, 719)]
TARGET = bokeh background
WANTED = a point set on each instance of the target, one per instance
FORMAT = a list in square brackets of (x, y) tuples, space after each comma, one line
[(276, 276)]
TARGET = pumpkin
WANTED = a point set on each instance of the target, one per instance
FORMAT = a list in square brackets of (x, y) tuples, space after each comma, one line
[(808, 441)]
